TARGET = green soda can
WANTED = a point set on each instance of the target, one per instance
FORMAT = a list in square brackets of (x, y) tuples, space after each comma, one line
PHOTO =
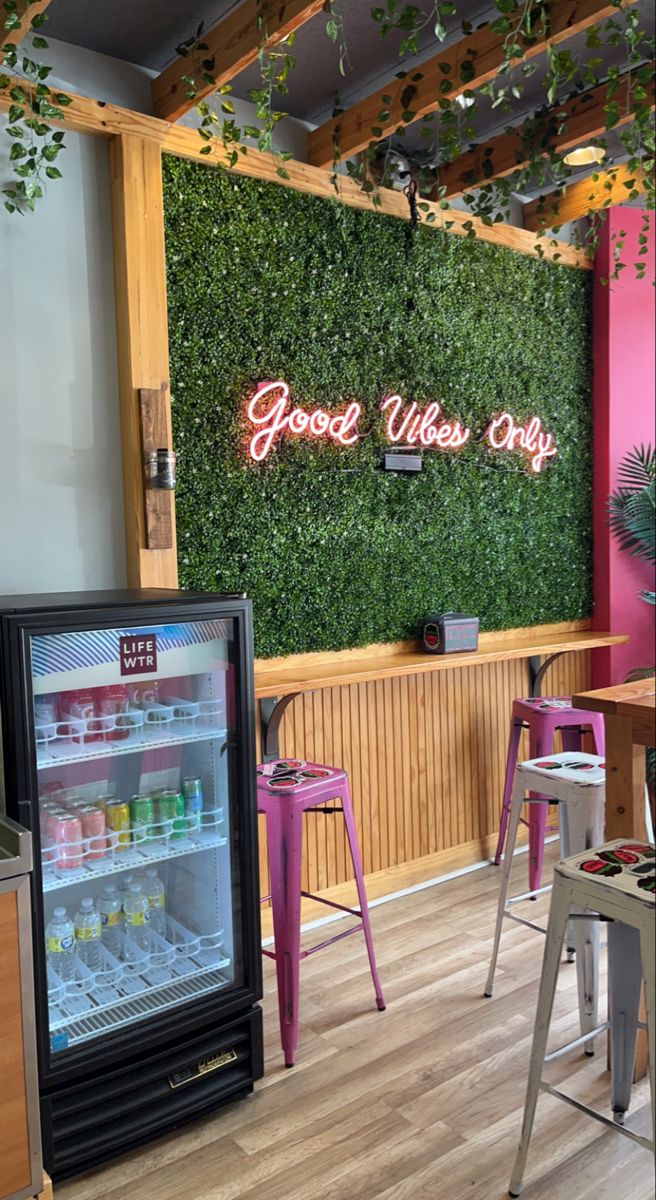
[(142, 818), (171, 808)]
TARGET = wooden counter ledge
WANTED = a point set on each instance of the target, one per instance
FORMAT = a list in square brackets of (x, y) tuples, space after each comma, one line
[(305, 673)]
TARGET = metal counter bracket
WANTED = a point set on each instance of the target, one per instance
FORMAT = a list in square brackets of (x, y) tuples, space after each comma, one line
[(537, 670), (272, 711)]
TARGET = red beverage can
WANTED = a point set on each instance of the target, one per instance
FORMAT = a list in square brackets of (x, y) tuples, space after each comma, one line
[(81, 705), (112, 701), (68, 841), (93, 831)]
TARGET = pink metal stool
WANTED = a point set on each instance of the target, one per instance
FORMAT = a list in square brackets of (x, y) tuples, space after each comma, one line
[(286, 788), (542, 715)]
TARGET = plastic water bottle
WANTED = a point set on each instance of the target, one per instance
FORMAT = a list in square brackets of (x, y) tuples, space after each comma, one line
[(60, 945), (111, 917), (136, 912), (88, 934), (154, 889), (124, 887)]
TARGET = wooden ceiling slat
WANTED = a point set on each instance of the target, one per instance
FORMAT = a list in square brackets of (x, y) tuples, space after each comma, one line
[(588, 195), (233, 43), (583, 116), (100, 119), (351, 132)]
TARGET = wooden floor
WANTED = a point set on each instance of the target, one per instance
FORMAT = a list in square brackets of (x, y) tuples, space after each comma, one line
[(422, 1102)]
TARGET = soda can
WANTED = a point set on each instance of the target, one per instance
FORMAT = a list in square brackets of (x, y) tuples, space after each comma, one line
[(93, 831), (46, 709), (112, 701), (192, 790), (67, 831), (142, 815), (103, 799), (171, 815), (117, 816)]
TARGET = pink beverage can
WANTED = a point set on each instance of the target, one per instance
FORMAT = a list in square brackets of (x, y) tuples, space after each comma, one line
[(112, 701), (68, 841), (94, 831)]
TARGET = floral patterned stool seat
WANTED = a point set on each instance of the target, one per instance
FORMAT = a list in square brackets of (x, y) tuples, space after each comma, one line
[(618, 883)]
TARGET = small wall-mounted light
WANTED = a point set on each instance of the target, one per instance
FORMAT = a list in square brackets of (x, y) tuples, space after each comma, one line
[(583, 156), (160, 469)]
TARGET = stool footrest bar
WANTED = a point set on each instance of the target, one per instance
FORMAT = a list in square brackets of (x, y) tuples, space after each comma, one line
[(579, 1041), (355, 912), (330, 941), (521, 921), (529, 895), (592, 1112)]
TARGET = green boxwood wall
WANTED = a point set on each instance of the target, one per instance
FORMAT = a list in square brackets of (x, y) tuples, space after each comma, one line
[(265, 283)]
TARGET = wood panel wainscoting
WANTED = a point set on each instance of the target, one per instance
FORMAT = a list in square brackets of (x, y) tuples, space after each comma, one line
[(426, 757)]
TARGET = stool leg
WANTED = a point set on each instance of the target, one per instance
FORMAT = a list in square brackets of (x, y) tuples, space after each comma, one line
[(515, 814), (624, 981), (558, 913), (598, 730), (354, 845), (571, 738), (582, 824), (511, 763), (540, 746), (648, 959), (285, 845)]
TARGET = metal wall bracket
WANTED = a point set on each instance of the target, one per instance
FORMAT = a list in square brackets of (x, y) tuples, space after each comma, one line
[(272, 711), (537, 670)]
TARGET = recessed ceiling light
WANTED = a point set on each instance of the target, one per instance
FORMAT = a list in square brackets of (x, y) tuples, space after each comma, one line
[(584, 155)]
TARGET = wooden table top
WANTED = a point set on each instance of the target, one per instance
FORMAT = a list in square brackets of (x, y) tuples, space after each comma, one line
[(309, 672), (624, 698)]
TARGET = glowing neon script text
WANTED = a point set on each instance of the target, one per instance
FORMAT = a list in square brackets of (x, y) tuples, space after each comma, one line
[(341, 427), (503, 434), (416, 426)]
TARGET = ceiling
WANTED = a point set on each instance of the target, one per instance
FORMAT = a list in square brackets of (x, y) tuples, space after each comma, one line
[(146, 33)]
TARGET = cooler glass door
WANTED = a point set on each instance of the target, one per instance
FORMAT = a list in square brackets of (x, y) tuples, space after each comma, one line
[(135, 734)]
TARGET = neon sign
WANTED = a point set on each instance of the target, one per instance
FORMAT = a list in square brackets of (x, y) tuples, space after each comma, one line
[(270, 411)]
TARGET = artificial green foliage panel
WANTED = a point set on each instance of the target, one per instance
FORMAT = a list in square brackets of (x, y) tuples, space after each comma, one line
[(265, 284)]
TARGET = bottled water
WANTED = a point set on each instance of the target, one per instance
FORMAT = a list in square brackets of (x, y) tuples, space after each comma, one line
[(124, 887), (111, 917), (88, 933), (154, 889), (136, 912), (60, 945)]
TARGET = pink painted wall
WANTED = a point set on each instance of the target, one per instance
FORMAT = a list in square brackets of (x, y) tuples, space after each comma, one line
[(624, 390)]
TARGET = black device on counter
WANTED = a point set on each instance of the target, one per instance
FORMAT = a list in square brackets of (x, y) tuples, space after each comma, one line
[(444, 633)]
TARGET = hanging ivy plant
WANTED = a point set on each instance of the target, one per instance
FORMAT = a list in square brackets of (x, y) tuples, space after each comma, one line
[(35, 145), (446, 133)]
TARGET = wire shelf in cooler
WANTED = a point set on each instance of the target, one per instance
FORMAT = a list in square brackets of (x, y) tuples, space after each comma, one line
[(62, 750), (139, 854), (137, 984)]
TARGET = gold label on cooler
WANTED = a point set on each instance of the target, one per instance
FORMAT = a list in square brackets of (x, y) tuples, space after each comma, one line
[(204, 1067)]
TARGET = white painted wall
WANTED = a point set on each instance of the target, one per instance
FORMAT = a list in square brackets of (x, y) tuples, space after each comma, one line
[(61, 500)]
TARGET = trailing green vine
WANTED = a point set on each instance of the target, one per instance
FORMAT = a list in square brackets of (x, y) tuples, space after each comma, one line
[(445, 133), (35, 145)]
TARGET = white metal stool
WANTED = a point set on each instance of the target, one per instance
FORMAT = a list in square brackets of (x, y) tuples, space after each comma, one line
[(577, 782), (618, 882)]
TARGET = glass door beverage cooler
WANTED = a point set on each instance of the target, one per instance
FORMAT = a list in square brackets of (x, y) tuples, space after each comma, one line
[(128, 751)]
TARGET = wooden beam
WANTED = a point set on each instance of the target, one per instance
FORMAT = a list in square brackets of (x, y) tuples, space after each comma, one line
[(598, 191), (26, 12), (99, 119), (484, 50), (142, 335), (233, 43), (581, 119)]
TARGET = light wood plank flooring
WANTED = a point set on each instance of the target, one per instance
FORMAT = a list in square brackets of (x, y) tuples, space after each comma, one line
[(422, 1102)]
